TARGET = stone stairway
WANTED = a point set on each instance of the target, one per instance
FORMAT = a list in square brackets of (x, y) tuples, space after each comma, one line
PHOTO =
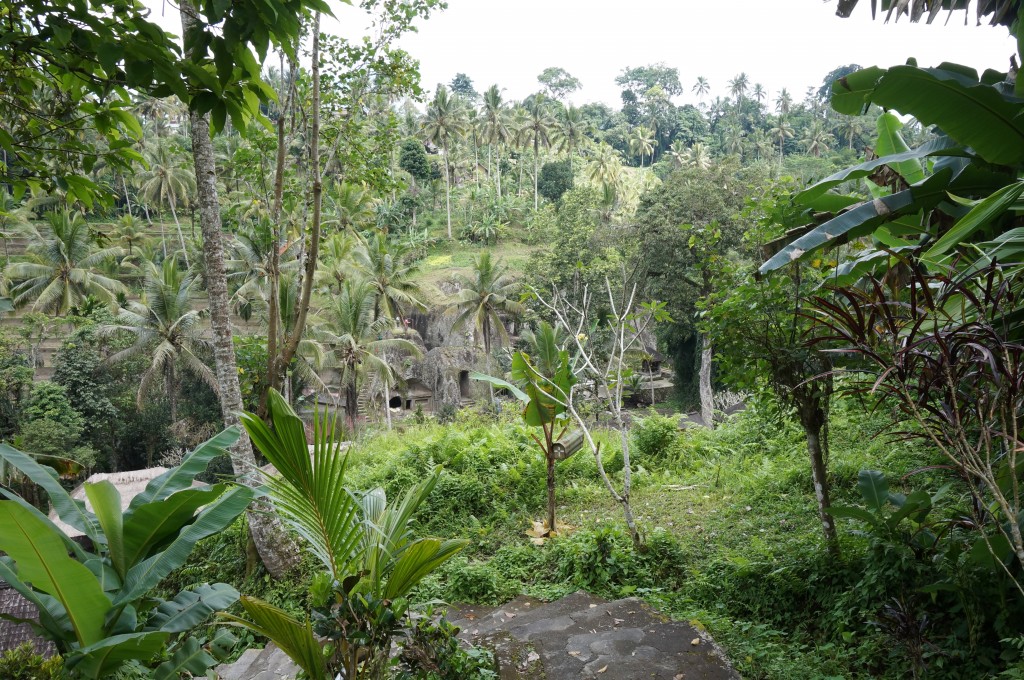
[(582, 636), (577, 637)]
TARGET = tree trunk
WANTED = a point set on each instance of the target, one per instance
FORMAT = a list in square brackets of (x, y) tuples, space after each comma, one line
[(536, 154), (447, 193), (812, 419), (172, 392), (276, 549), (707, 394), (181, 237), (387, 401), (291, 341), (352, 405)]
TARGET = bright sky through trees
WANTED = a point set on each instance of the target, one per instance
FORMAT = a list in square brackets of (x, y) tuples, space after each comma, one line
[(782, 43)]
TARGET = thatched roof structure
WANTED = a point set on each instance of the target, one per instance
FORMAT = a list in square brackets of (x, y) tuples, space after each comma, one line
[(129, 484)]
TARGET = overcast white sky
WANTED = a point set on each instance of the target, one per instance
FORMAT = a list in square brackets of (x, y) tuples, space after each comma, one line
[(778, 43)]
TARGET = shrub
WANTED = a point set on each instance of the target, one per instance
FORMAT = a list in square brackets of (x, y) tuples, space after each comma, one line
[(654, 438), (22, 663)]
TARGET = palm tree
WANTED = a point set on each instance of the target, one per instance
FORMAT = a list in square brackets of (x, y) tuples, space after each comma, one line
[(444, 125), (338, 262), (641, 142), (167, 181), (130, 232), (572, 130), (851, 128), (62, 272), (677, 152), (702, 87), (816, 139), (358, 341), (733, 140), (483, 298), (783, 103), (385, 267), (759, 93), (350, 206), (167, 330), (15, 218), (249, 266), (782, 131), (606, 167), (496, 127), (537, 132), (698, 156), (738, 87)]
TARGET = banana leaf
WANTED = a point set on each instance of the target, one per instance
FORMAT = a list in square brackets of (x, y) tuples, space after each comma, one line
[(190, 657), (181, 477), (101, 659), (191, 607), (41, 560)]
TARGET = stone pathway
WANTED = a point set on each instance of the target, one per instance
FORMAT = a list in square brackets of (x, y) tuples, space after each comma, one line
[(582, 636), (579, 636)]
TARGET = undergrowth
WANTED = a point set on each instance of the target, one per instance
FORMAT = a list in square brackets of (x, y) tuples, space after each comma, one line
[(732, 540)]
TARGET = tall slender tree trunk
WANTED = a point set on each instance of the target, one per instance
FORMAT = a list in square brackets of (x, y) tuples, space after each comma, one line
[(707, 394), (813, 420), (127, 199), (387, 401), (447, 193), (549, 454), (276, 550), (536, 154), (181, 237)]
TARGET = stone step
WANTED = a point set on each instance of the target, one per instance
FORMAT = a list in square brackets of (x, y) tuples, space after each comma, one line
[(582, 636)]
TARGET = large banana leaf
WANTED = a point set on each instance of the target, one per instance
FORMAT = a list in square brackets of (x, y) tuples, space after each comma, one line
[(863, 220), (214, 517), (939, 147), (70, 511), (181, 477), (106, 503), (889, 141), (309, 491), (72, 546), (973, 113), (294, 637), (191, 607), (53, 618), (190, 657), (42, 560), (101, 659), (150, 525), (981, 216)]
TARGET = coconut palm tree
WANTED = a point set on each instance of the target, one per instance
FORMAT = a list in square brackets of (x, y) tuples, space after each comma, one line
[(496, 127), (817, 139), (483, 298), (738, 87), (641, 142), (701, 87), (759, 93), (537, 132), (572, 130), (130, 232), (698, 156), (851, 128), (385, 267), (443, 127), (733, 140), (783, 103), (606, 167), (337, 264), (15, 218), (357, 341), (62, 269), (167, 330), (168, 181), (248, 269), (782, 131), (349, 206)]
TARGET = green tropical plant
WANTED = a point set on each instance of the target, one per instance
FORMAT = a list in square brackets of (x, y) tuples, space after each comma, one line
[(536, 131), (483, 298), (961, 207), (543, 386), (358, 340), (444, 126), (365, 546), (98, 606), (167, 330), (386, 267), (168, 180), (62, 271)]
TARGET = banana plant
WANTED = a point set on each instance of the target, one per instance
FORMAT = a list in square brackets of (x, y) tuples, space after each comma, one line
[(957, 195), (371, 560), (543, 385), (96, 605)]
